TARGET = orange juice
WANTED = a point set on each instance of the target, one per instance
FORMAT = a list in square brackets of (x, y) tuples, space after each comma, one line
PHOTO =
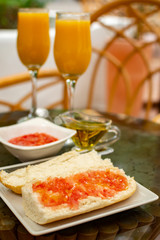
[(33, 42), (72, 47)]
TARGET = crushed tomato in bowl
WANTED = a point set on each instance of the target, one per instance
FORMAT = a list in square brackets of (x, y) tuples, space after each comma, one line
[(33, 139)]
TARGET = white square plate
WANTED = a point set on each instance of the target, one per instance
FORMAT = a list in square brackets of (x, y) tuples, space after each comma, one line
[(14, 202)]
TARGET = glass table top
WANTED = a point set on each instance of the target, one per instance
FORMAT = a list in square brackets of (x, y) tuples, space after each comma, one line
[(138, 153)]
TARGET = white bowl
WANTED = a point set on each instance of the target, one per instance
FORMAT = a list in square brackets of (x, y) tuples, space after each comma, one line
[(25, 153)]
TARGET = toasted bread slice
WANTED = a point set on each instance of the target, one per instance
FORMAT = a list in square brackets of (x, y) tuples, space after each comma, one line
[(100, 184), (16, 179)]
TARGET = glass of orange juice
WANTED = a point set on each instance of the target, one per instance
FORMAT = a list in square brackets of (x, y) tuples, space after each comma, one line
[(72, 47), (33, 45)]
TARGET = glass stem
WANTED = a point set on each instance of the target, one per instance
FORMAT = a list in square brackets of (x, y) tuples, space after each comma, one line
[(71, 92), (33, 74)]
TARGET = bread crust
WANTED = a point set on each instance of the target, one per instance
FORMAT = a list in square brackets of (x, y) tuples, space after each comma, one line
[(43, 215), (14, 180)]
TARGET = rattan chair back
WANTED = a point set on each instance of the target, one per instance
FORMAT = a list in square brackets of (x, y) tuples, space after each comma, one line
[(131, 49)]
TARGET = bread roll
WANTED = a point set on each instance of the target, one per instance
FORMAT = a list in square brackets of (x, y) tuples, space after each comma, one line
[(82, 184), (16, 179)]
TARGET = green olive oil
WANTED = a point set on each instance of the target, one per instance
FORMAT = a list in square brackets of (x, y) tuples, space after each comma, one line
[(88, 133)]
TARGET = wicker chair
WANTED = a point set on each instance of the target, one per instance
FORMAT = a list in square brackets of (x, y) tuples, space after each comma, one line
[(54, 78), (124, 93), (130, 48), (92, 5)]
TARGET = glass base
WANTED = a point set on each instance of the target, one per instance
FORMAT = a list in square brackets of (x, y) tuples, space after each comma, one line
[(40, 112)]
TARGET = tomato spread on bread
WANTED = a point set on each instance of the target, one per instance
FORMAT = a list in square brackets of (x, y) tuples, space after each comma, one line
[(70, 190)]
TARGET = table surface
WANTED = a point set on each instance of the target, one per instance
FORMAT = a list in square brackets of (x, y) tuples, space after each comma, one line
[(138, 153)]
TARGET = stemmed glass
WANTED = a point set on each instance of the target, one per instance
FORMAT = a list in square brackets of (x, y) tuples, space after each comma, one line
[(72, 47), (33, 45)]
